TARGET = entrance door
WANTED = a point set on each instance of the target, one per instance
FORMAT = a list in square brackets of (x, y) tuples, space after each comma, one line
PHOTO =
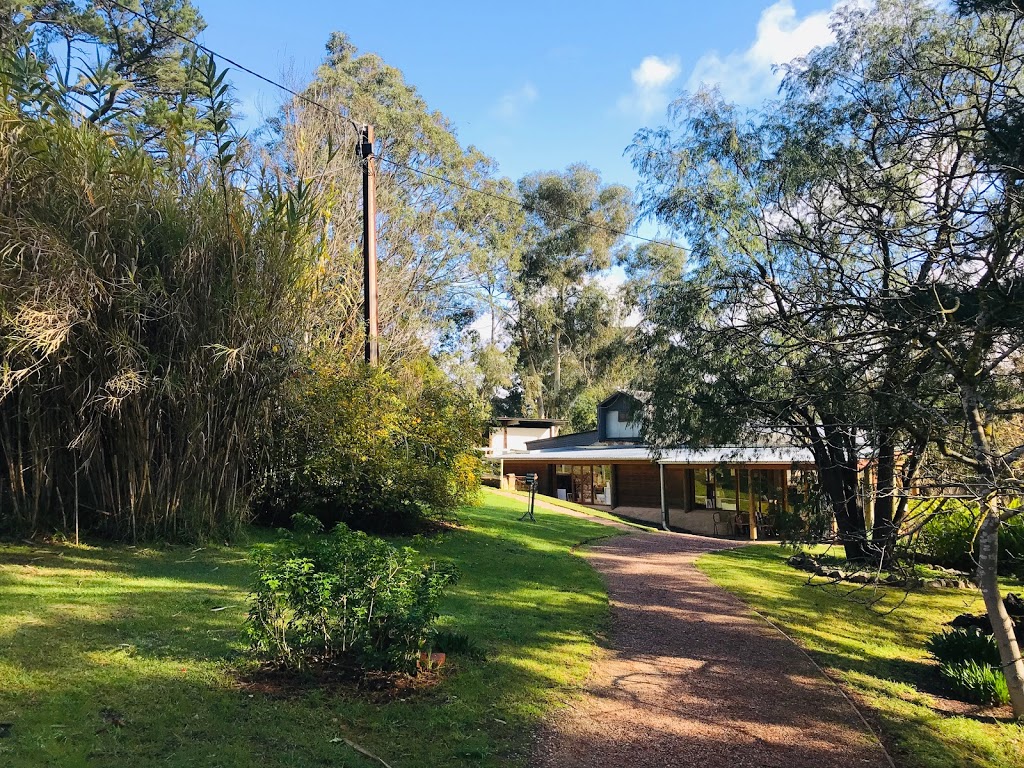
[(583, 484)]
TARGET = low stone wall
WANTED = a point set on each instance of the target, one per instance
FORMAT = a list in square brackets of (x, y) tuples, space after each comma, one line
[(699, 521), (641, 514)]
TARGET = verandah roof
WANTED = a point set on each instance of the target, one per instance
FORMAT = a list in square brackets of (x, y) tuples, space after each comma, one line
[(600, 454)]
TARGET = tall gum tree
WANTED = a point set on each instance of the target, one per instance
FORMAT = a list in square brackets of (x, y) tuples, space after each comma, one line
[(877, 208), (565, 323), (430, 233)]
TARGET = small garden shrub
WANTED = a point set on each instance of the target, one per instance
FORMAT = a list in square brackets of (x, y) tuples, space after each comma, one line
[(456, 644), (959, 645), (947, 538), (975, 683), (345, 599)]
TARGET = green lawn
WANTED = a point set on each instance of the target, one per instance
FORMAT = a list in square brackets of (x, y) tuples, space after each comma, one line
[(879, 657), (118, 656)]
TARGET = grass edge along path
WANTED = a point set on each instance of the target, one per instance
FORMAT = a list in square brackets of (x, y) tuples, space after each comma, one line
[(878, 657), (121, 656)]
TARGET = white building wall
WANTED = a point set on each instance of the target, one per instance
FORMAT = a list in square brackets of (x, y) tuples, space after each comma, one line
[(518, 437), (618, 430)]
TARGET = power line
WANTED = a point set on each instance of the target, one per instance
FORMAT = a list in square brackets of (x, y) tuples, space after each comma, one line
[(210, 52), (524, 206), (355, 126)]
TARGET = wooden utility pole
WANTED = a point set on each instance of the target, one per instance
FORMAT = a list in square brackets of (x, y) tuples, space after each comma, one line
[(369, 243)]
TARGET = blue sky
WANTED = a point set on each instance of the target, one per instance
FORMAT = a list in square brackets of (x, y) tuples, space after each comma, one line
[(537, 85)]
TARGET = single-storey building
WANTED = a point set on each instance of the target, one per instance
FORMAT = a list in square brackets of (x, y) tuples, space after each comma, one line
[(732, 490)]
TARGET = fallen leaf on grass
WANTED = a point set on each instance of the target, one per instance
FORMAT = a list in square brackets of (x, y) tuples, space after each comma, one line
[(112, 718), (361, 750)]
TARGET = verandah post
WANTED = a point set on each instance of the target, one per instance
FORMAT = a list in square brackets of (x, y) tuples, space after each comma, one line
[(664, 498), (750, 503)]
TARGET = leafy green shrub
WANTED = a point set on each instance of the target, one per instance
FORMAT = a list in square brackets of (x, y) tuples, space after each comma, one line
[(975, 683), (947, 538), (964, 644), (1011, 547), (456, 644), (140, 307), (377, 450), (344, 598)]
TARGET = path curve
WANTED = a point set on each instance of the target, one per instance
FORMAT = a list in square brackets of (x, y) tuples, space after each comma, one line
[(693, 678)]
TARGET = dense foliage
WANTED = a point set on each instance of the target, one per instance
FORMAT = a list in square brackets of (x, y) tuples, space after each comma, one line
[(969, 665), (947, 531), (344, 598), (377, 450), (140, 302), (179, 313), (963, 644), (975, 683)]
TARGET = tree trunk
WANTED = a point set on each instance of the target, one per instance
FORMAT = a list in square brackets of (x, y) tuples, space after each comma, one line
[(840, 485), (988, 549), (556, 385), (1002, 625), (884, 530)]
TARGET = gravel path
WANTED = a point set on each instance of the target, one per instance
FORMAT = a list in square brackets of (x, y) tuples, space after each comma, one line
[(694, 679)]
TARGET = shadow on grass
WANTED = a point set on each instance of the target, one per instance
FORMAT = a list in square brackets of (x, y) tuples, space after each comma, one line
[(85, 631), (879, 655)]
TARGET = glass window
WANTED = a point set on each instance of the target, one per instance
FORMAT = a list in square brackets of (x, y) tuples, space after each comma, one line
[(744, 488), (698, 481), (602, 484), (725, 488), (768, 491), (799, 490)]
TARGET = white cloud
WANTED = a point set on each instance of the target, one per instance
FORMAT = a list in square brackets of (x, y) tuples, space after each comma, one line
[(654, 73), (747, 76), (651, 81), (513, 103)]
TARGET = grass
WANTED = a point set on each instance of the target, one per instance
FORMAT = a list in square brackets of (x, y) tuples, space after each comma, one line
[(877, 653), (592, 511), (118, 656)]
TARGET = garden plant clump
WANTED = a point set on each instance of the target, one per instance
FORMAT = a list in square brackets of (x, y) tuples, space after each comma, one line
[(343, 600), (969, 665)]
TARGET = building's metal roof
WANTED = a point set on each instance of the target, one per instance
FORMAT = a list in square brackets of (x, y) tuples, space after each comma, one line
[(604, 454), (527, 421), (572, 440)]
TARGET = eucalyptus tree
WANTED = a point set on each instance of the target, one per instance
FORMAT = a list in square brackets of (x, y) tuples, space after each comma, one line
[(565, 323), (936, 98), (647, 267), (432, 232), (860, 261), (747, 343)]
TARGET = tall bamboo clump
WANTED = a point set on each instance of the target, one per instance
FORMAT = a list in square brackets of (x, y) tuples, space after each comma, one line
[(145, 309)]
